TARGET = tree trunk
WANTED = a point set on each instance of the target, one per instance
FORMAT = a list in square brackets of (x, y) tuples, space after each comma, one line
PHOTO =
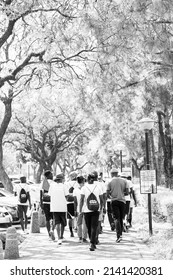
[(3, 127), (3, 175), (39, 173), (165, 135), (42, 167), (159, 164)]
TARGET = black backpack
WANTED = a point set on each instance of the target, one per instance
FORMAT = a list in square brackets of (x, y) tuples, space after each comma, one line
[(23, 196), (92, 202)]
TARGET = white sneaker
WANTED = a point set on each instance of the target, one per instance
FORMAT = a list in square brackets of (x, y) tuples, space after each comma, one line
[(59, 241), (26, 231)]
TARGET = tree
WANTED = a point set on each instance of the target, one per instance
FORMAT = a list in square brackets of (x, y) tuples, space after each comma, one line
[(43, 138), (37, 48)]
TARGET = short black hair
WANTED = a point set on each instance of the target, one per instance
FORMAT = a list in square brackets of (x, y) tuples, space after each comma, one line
[(48, 174), (95, 173), (80, 179), (91, 178), (23, 179)]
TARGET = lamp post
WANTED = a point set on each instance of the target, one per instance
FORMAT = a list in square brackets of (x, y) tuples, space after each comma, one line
[(120, 147), (147, 124)]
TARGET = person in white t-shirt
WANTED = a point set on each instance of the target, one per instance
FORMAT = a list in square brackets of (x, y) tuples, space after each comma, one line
[(45, 203), (71, 184), (58, 192), (81, 225), (133, 202), (91, 217), (22, 206)]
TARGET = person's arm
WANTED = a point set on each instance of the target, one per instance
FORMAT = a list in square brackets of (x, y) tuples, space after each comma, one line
[(29, 199), (134, 197), (108, 192), (81, 203), (104, 202), (41, 199), (101, 201), (75, 205)]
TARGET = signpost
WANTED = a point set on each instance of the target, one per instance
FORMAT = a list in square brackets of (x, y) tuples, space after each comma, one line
[(148, 181)]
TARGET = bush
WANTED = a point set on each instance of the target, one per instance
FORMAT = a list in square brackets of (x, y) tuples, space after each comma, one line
[(169, 207)]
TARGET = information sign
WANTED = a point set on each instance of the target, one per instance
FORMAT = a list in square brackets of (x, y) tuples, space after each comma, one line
[(148, 181)]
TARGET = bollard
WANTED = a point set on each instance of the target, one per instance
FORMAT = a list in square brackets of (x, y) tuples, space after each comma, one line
[(1, 250), (35, 228), (11, 245)]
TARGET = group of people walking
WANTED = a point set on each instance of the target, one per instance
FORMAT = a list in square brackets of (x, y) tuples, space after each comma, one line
[(86, 201), (81, 203)]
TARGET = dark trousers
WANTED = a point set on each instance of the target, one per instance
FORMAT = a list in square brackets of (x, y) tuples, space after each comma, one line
[(109, 213), (118, 208), (91, 220)]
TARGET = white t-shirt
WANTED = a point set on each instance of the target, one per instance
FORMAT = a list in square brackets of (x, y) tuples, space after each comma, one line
[(86, 190), (77, 193), (102, 186), (57, 192), (127, 197), (17, 189)]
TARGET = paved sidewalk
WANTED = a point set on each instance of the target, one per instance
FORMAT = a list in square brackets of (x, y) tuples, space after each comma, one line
[(38, 247)]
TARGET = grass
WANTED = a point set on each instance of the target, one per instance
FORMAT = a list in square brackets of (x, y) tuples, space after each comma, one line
[(161, 242)]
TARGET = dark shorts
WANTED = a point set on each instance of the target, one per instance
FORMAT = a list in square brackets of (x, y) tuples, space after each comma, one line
[(21, 210), (70, 210), (60, 218), (48, 214)]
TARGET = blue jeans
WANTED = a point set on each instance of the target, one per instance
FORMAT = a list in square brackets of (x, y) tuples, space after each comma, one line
[(118, 208), (91, 220)]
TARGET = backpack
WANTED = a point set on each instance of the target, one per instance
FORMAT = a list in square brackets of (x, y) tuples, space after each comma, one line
[(23, 196), (92, 202)]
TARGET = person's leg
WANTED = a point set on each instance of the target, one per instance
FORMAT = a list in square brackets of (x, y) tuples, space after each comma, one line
[(57, 222), (63, 222), (70, 209), (88, 223), (58, 230), (116, 215), (122, 207), (46, 209), (70, 224), (20, 215), (129, 218), (126, 211), (25, 208), (94, 226), (79, 226), (110, 215), (85, 230)]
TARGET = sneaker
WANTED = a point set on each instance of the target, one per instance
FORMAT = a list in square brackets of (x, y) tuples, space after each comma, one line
[(118, 239), (59, 241), (124, 227), (52, 236), (92, 247), (26, 231), (84, 240)]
